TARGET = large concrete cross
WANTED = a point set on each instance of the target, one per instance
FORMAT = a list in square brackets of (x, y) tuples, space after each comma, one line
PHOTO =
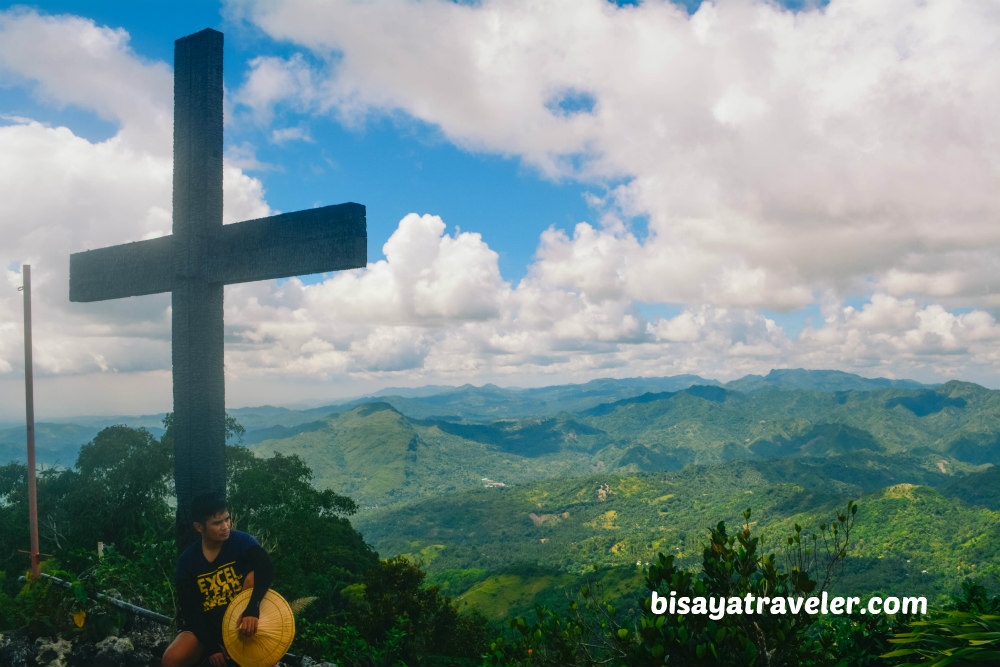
[(202, 256)]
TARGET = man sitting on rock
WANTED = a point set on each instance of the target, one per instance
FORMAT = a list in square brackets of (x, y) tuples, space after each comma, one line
[(210, 573)]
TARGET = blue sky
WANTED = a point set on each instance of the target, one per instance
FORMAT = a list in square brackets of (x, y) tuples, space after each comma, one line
[(555, 192), (393, 165)]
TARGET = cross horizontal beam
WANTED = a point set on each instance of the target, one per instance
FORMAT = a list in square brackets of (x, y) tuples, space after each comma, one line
[(331, 238)]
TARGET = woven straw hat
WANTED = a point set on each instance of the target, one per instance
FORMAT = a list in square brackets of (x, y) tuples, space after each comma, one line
[(275, 630)]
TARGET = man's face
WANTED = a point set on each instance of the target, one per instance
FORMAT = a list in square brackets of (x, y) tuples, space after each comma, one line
[(216, 528)]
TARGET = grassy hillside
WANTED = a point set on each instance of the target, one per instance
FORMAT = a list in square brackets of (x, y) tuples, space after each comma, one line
[(912, 540), (981, 489)]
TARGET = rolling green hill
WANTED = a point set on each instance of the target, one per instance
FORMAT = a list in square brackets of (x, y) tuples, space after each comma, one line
[(59, 440), (482, 544), (981, 489), (378, 456)]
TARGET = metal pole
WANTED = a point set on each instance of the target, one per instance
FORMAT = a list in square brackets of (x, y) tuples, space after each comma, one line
[(29, 396), (135, 609)]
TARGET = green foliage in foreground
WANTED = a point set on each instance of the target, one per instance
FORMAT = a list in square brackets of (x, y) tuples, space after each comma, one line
[(965, 633), (733, 566), (950, 638), (593, 631), (395, 618), (119, 494)]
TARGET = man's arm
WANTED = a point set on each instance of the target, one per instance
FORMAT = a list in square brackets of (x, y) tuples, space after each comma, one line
[(258, 562)]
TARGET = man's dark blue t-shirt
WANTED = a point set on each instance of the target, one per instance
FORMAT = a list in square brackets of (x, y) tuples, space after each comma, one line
[(206, 588)]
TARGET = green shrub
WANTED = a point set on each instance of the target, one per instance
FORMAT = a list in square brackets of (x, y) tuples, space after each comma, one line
[(591, 631), (406, 620), (342, 645), (965, 632), (950, 638), (733, 567)]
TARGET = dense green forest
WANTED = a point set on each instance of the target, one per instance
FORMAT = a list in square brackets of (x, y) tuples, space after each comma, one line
[(912, 539), (537, 539), (382, 457)]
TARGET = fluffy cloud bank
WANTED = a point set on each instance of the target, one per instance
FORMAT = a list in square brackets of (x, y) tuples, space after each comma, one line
[(783, 159), (842, 160), (776, 154)]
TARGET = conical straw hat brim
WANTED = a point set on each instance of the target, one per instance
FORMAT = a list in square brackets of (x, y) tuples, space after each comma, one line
[(275, 630)]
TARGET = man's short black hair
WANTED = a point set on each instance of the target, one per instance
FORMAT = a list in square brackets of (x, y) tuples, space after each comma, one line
[(207, 505)]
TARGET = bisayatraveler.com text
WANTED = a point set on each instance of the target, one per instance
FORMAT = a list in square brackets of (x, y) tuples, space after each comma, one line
[(716, 607)]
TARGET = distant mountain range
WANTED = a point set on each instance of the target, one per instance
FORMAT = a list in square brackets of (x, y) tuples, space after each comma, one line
[(380, 456), (58, 440)]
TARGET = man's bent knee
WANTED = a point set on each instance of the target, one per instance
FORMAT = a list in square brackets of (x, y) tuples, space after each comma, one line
[(184, 651)]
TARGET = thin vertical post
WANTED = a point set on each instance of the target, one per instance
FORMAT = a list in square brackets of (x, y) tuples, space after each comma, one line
[(29, 402)]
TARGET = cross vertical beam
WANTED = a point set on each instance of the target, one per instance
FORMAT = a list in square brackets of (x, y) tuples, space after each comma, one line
[(199, 426), (200, 258)]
